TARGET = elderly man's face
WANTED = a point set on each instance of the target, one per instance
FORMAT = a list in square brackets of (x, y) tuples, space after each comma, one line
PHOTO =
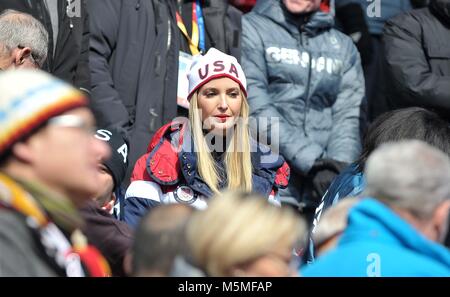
[(64, 155), (301, 6)]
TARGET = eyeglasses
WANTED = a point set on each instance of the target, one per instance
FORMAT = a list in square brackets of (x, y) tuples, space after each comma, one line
[(72, 121)]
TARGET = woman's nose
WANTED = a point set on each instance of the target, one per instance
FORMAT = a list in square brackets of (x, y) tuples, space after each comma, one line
[(223, 104)]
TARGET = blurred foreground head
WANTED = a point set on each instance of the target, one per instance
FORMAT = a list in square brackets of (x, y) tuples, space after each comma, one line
[(407, 124), (47, 134), (113, 167), (243, 235), (159, 239), (412, 178)]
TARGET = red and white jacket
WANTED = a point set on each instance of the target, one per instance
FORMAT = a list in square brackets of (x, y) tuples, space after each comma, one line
[(167, 173)]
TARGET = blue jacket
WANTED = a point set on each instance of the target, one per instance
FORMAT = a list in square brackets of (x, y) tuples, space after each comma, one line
[(377, 242), (310, 79), (349, 183)]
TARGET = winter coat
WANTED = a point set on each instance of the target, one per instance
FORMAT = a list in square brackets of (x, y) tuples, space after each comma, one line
[(134, 67), (417, 58), (377, 242), (165, 175), (222, 23), (308, 78), (36, 229)]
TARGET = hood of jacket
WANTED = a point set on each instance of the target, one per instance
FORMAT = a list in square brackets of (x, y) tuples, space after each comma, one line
[(314, 23)]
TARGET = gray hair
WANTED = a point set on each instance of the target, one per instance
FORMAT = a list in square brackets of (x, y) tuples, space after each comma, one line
[(410, 175), (21, 29), (333, 221)]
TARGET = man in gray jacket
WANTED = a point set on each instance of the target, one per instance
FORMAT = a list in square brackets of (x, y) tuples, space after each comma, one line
[(307, 75)]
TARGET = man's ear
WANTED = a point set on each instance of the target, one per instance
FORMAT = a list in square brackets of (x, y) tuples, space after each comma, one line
[(440, 220), (20, 56), (23, 152)]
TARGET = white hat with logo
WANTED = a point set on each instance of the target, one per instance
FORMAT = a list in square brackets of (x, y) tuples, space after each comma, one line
[(215, 64)]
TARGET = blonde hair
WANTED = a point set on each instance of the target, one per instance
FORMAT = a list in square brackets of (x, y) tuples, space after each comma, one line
[(238, 164), (238, 228)]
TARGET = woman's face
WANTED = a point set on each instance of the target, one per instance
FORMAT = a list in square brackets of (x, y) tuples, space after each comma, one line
[(220, 102)]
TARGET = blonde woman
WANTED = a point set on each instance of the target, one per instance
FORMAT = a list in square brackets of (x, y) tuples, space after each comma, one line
[(243, 235), (188, 161)]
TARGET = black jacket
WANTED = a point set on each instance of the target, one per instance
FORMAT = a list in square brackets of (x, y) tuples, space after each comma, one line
[(417, 51), (134, 67), (223, 26), (70, 59)]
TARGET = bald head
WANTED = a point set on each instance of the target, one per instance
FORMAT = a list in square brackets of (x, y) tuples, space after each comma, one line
[(167, 217), (159, 238)]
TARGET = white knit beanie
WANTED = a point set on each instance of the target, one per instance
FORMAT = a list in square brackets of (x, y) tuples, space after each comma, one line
[(214, 64)]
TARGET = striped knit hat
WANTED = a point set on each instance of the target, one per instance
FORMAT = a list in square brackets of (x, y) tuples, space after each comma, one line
[(28, 98)]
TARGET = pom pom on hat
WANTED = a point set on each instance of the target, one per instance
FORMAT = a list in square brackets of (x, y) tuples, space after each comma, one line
[(214, 64)]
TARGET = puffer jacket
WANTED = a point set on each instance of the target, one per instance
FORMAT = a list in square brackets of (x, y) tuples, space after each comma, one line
[(168, 173), (309, 78), (417, 58)]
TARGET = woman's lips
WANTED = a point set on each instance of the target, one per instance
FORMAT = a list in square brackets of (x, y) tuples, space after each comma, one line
[(222, 118)]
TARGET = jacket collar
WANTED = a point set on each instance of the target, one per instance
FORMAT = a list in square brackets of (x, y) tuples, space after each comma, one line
[(316, 22)]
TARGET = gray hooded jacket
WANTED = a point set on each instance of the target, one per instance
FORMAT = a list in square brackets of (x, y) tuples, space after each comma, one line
[(310, 78)]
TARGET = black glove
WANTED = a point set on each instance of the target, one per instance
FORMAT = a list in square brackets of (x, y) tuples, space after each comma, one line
[(322, 174)]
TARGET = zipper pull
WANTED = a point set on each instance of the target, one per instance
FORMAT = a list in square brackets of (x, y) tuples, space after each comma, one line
[(153, 116), (69, 14)]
